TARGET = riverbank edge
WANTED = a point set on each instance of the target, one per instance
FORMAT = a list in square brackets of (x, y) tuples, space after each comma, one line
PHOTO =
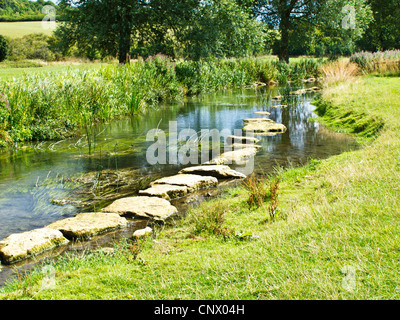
[(297, 184)]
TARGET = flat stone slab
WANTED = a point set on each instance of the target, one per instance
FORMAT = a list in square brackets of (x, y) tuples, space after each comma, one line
[(256, 120), (142, 206), (238, 157), (217, 171), (191, 181), (241, 139), (265, 127), (87, 225), (20, 246), (262, 113), (165, 191)]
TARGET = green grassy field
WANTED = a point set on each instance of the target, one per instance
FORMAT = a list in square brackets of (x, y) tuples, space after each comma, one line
[(336, 236), (9, 69), (20, 29)]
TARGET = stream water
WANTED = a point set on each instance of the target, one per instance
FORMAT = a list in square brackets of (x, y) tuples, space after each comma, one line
[(34, 180), (38, 182)]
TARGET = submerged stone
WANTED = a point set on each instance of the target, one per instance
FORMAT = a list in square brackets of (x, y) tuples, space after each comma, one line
[(217, 171), (142, 206), (240, 146), (20, 246), (87, 225), (191, 181), (142, 232), (241, 139), (280, 106), (165, 191), (262, 113)]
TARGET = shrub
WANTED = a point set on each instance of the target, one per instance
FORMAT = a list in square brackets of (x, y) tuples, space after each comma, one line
[(32, 46)]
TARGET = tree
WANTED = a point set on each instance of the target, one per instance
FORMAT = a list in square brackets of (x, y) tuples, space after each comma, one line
[(384, 32), (3, 48), (328, 15), (103, 26), (222, 29), (189, 28)]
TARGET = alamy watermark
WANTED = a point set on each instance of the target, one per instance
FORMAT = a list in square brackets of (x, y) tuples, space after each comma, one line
[(49, 20), (49, 279), (189, 146), (349, 20), (349, 281)]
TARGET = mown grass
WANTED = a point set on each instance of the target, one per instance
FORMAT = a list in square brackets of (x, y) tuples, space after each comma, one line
[(336, 234)]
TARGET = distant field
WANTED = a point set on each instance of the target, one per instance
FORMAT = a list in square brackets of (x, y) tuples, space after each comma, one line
[(20, 29), (8, 70)]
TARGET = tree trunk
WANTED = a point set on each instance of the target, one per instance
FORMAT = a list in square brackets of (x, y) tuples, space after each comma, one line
[(124, 45), (284, 45), (125, 31)]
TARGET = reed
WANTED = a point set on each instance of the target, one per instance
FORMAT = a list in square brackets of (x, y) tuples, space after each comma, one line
[(379, 63)]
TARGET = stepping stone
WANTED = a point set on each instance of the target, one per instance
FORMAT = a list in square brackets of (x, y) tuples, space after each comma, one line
[(144, 207), (251, 120), (165, 191), (262, 113), (237, 157), (191, 181), (265, 127), (241, 139), (20, 246), (87, 225), (217, 171)]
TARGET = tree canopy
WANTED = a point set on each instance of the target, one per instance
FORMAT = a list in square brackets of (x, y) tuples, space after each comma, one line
[(323, 16), (188, 28)]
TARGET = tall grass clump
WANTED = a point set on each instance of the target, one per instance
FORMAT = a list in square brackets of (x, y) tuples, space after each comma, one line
[(209, 220), (338, 71), (379, 63)]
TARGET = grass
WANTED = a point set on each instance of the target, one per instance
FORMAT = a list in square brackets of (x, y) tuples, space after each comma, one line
[(336, 236), (20, 29)]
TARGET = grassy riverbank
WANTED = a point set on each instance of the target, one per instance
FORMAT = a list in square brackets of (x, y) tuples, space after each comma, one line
[(55, 105), (336, 234)]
